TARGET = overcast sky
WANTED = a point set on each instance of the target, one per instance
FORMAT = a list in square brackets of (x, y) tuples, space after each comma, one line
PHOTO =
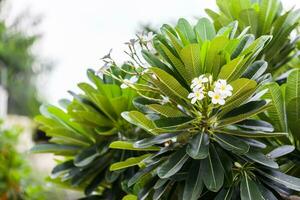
[(76, 34)]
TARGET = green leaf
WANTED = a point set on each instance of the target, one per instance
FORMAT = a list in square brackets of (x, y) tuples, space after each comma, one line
[(166, 110), (233, 69), (276, 111), (224, 194), (173, 164), (255, 70), (159, 139), (293, 116), (190, 55), (62, 168), (242, 90), (140, 120), (260, 158), (232, 143), (88, 155), (130, 146), (155, 62), (256, 125), (66, 134), (281, 151), (198, 146), (58, 149), (292, 86), (212, 58), (281, 178), (249, 189), (213, 177), (251, 134), (185, 32), (193, 184), (171, 85), (244, 42), (130, 197), (174, 60), (249, 17), (243, 112), (205, 29), (129, 162), (267, 13)]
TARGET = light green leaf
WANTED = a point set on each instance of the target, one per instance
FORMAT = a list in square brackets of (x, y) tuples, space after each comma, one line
[(129, 162), (170, 83), (276, 111), (140, 120), (242, 90), (166, 110), (130, 146), (205, 29), (190, 55)]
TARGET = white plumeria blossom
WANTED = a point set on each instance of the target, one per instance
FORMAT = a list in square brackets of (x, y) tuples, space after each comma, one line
[(223, 88), (197, 83), (196, 95), (148, 37), (128, 82), (216, 97)]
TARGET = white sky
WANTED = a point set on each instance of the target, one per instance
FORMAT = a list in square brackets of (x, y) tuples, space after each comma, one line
[(76, 34)]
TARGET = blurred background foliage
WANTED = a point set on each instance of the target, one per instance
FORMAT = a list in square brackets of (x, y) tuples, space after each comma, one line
[(20, 67), (16, 178)]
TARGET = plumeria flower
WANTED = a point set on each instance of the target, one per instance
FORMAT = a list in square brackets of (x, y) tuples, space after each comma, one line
[(216, 97), (196, 95), (223, 88), (148, 37), (130, 81), (165, 99), (197, 83)]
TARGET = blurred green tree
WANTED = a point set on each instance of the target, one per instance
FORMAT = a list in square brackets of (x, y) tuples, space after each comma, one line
[(19, 65)]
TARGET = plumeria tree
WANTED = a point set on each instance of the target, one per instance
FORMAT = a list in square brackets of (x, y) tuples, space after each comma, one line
[(203, 120)]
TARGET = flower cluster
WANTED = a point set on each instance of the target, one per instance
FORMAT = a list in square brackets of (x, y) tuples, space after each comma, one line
[(217, 91)]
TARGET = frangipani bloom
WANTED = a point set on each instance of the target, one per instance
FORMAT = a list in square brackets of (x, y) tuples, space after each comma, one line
[(197, 83), (223, 88), (130, 81), (216, 97), (196, 95)]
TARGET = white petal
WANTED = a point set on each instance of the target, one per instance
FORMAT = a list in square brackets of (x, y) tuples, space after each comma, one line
[(194, 100), (211, 93), (214, 101), (191, 95), (204, 80), (123, 86), (229, 87), (221, 101)]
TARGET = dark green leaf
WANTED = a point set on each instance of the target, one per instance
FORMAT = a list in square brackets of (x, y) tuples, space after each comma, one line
[(198, 146)]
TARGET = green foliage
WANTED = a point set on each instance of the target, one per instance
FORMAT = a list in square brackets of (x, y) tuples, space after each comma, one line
[(163, 140), (16, 180), (84, 131), (20, 67), (263, 17)]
